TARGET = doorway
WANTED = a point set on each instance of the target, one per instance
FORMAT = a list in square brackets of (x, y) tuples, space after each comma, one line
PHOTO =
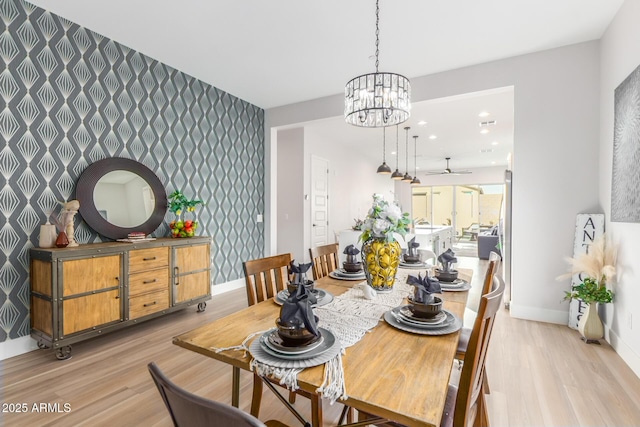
[(319, 201)]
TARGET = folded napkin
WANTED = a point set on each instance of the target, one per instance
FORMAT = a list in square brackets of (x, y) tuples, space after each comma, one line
[(446, 259), (412, 246), (296, 310), (424, 287), (299, 272)]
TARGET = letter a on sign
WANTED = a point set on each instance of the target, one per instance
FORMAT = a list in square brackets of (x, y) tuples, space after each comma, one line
[(588, 228)]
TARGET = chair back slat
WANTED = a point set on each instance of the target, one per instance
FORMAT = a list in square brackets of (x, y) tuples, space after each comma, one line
[(265, 277), (488, 278), (325, 259), (470, 388)]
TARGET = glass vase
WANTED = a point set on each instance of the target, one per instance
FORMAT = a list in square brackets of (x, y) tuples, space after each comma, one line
[(380, 261)]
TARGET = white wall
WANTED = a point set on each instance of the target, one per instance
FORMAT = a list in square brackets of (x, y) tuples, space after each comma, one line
[(290, 196), (555, 155), (620, 55)]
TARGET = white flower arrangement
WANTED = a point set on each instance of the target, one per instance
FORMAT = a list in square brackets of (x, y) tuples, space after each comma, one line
[(383, 220)]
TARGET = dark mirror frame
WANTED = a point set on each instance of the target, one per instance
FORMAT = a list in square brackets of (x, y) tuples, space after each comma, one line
[(87, 183)]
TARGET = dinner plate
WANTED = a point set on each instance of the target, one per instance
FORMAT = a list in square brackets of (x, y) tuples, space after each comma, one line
[(343, 272), (335, 275), (275, 343), (404, 314), (323, 297), (328, 341), (459, 285), (454, 326), (415, 265)]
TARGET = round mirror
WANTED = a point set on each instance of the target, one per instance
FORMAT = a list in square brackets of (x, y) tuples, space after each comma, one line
[(118, 196)]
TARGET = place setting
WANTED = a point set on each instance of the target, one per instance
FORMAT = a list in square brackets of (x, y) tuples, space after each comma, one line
[(448, 276), (424, 314), (411, 258), (317, 297), (351, 268), (296, 341)]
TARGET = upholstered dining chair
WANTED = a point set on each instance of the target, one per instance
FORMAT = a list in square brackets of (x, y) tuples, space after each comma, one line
[(264, 278), (466, 403), (189, 410), (325, 259)]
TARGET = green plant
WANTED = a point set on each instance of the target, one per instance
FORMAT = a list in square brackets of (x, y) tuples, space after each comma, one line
[(179, 202), (590, 291)]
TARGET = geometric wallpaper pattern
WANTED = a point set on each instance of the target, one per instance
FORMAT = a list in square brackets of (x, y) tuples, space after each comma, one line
[(70, 97)]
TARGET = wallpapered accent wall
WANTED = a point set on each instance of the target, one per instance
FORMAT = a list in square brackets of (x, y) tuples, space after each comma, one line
[(71, 97)]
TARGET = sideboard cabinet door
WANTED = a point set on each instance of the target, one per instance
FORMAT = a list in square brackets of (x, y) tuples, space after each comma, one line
[(90, 293), (192, 272)]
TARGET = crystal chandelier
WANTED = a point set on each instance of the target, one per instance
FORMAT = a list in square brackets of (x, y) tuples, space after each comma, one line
[(377, 99)]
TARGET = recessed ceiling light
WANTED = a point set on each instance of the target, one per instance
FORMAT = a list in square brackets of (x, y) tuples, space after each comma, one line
[(484, 131), (432, 137), (494, 143), (483, 114), (422, 123), (493, 163), (393, 153), (417, 167)]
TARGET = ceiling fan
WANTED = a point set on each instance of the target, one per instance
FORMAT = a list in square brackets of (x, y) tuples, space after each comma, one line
[(447, 170)]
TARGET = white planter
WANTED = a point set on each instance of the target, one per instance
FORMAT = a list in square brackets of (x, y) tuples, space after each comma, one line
[(590, 325)]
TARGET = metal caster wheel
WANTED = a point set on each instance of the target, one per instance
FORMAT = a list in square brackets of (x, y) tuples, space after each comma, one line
[(42, 345), (63, 353), (202, 306)]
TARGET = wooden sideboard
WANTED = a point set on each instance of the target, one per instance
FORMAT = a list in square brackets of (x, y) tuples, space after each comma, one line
[(86, 291)]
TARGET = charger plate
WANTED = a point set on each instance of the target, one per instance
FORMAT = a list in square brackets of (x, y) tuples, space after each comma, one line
[(341, 276), (449, 328), (322, 354), (458, 285), (322, 296)]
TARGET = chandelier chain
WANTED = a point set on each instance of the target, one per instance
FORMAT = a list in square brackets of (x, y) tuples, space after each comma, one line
[(415, 155), (377, 34), (397, 145), (384, 145)]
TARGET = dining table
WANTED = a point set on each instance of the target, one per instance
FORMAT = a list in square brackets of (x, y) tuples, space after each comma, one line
[(390, 373)]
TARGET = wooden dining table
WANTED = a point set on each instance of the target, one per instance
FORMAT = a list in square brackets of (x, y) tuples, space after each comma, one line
[(390, 373)]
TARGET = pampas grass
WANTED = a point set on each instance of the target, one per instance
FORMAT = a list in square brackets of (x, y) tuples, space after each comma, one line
[(599, 263)]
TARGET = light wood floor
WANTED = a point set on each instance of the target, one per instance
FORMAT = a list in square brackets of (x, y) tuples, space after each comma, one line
[(540, 375)]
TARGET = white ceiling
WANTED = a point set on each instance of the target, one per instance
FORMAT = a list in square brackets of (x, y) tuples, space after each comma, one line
[(278, 52)]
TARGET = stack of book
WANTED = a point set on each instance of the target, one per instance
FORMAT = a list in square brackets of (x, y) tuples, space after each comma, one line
[(136, 236)]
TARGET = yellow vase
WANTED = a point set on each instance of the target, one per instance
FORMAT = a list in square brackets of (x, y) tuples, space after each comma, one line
[(380, 261)]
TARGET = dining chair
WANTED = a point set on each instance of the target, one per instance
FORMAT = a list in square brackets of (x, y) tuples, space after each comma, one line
[(325, 259), (264, 278), (465, 333), (189, 410), (466, 402), (427, 254)]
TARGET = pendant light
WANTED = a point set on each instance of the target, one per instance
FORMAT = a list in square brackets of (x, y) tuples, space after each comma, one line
[(415, 180), (396, 174), (406, 177), (384, 169), (377, 99)]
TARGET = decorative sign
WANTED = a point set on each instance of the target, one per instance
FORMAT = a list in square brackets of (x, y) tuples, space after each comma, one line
[(588, 228)]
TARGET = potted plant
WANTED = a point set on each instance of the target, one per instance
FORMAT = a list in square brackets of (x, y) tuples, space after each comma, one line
[(380, 250), (595, 268), (178, 203)]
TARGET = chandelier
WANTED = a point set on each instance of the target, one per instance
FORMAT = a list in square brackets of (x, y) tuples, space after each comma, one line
[(377, 99)]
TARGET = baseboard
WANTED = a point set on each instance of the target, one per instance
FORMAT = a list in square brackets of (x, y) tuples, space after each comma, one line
[(560, 317), (16, 347), (227, 286), (630, 357)]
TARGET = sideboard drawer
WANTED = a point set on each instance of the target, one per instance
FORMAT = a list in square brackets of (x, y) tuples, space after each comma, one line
[(148, 303), (147, 259), (148, 281)]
